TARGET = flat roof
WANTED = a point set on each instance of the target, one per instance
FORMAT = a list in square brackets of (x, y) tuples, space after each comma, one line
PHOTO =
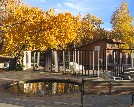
[(107, 40), (114, 41)]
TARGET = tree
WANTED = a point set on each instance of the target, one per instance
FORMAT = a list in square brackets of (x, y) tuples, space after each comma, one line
[(40, 30), (89, 29), (25, 25), (65, 27), (122, 24)]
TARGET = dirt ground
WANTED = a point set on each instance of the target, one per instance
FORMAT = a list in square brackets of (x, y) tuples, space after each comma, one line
[(68, 100), (73, 100)]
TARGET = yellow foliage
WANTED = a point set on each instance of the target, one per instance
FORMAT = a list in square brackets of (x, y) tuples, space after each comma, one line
[(37, 29), (122, 24), (88, 29)]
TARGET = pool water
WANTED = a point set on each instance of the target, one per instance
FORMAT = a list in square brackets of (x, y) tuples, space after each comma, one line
[(43, 88)]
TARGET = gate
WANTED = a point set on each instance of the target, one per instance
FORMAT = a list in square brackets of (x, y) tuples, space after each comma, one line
[(117, 60)]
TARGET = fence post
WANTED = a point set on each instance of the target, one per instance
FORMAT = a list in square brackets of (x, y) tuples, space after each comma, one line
[(132, 98), (98, 65), (93, 63), (106, 61), (82, 91), (110, 87)]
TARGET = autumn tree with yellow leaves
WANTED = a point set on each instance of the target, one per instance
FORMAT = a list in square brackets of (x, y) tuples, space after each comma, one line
[(36, 29), (122, 25), (21, 27), (66, 29), (40, 30), (30, 28), (88, 30)]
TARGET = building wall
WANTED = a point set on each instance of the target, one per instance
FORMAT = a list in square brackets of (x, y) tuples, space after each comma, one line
[(91, 48)]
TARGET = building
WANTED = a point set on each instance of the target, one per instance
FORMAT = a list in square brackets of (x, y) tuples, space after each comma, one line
[(104, 46)]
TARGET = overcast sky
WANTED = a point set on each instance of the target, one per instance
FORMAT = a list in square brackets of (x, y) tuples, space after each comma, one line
[(100, 8)]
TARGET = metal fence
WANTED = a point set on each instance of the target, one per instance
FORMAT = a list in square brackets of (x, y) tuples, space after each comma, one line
[(87, 62), (118, 60)]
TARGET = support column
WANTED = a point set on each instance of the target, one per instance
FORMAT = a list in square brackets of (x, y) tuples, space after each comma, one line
[(38, 59), (34, 61), (64, 61), (56, 60), (78, 62), (69, 61), (27, 60), (24, 60)]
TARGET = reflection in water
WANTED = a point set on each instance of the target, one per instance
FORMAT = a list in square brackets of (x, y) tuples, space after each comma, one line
[(42, 88)]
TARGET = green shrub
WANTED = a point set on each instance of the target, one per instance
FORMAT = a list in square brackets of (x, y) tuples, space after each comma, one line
[(19, 67)]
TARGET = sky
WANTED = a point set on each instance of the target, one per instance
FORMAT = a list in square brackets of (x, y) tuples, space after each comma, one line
[(101, 8)]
